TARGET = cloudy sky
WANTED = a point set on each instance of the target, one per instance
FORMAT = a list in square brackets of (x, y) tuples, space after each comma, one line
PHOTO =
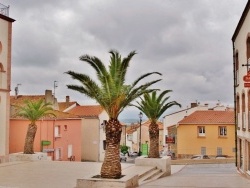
[(188, 41)]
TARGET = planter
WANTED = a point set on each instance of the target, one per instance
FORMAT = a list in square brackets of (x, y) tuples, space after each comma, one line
[(125, 181), (38, 156), (163, 163)]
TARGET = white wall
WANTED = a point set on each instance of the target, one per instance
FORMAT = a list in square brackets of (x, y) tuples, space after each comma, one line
[(103, 116), (4, 88)]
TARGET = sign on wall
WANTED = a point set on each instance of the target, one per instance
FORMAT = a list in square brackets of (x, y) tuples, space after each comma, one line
[(169, 139)]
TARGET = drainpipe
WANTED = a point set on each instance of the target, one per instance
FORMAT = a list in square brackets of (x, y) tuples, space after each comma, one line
[(235, 112)]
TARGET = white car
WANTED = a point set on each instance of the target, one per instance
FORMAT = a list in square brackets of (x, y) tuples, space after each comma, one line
[(123, 157), (200, 157)]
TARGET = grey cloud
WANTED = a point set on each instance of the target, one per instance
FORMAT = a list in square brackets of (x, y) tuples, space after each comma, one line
[(189, 42)]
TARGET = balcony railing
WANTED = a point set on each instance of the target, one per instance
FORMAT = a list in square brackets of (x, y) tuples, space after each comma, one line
[(4, 10)]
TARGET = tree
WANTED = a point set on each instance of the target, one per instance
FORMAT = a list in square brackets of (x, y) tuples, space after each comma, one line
[(33, 111), (113, 95), (153, 107)]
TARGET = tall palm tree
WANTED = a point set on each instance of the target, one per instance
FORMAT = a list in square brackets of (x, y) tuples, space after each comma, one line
[(33, 111), (153, 107), (113, 95)]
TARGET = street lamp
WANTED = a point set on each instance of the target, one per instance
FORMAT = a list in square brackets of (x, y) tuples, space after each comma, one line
[(140, 117)]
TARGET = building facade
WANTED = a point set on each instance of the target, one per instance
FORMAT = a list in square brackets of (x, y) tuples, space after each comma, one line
[(5, 78), (140, 134), (93, 143), (241, 65), (59, 137), (207, 132)]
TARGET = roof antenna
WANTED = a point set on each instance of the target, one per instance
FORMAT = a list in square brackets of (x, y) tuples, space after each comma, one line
[(17, 90), (55, 86)]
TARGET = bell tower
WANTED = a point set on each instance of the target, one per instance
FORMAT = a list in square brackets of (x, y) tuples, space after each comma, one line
[(5, 78)]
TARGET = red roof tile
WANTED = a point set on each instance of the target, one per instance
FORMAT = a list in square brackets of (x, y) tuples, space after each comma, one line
[(209, 117), (87, 111), (64, 105)]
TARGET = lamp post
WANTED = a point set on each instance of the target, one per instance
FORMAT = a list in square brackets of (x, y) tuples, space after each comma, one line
[(140, 117)]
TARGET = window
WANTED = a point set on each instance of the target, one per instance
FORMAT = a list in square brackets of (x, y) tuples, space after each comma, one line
[(243, 120), (237, 68), (248, 156), (57, 131), (203, 150), (222, 131), (243, 112), (130, 137), (201, 131), (219, 151)]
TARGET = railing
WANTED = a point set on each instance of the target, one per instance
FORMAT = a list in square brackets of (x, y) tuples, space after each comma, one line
[(4, 9)]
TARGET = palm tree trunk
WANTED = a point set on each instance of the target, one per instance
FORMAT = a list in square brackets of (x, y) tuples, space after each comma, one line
[(154, 141), (111, 167), (29, 140)]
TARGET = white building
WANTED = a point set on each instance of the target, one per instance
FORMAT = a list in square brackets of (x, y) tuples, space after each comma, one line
[(241, 61), (5, 78)]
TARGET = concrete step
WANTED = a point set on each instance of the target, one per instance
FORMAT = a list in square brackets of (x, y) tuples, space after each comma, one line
[(150, 175), (157, 176)]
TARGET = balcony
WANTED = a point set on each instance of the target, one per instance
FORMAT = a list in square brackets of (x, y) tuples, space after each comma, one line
[(4, 10)]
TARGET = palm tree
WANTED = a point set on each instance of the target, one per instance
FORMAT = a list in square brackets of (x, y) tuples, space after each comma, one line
[(113, 95), (33, 111), (153, 107)]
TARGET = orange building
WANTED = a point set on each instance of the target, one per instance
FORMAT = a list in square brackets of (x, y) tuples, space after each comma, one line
[(206, 132)]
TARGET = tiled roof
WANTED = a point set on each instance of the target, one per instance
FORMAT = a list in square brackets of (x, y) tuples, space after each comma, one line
[(87, 111), (19, 101), (21, 98), (64, 105), (59, 115), (209, 117), (134, 127)]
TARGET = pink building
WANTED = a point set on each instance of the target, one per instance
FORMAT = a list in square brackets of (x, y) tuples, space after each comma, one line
[(60, 137)]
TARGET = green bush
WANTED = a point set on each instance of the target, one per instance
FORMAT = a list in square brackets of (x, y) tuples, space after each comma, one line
[(124, 149)]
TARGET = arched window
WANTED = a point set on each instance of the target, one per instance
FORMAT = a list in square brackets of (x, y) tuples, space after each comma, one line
[(248, 46), (237, 68), (248, 96), (238, 110)]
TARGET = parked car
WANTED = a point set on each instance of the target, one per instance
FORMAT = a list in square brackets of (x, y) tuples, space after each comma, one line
[(221, 157), (133, 154), (200, 157), (123, 157)]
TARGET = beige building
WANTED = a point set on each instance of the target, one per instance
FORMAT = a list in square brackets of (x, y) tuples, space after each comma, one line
[(93, 131), (133, 135), (5, 78), (241, 64)]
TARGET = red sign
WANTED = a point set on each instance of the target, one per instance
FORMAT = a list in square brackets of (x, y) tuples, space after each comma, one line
[(247, 84), (246, 78), (170, 139)]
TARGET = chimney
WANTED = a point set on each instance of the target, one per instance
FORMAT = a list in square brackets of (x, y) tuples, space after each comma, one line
[(67, 100), (48, 96), (194, 104)]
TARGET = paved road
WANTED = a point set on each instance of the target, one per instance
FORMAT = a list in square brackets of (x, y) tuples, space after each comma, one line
[(204, 176)]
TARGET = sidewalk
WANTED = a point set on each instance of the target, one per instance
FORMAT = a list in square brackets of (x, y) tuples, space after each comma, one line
[(54, 174), (202, 176)]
